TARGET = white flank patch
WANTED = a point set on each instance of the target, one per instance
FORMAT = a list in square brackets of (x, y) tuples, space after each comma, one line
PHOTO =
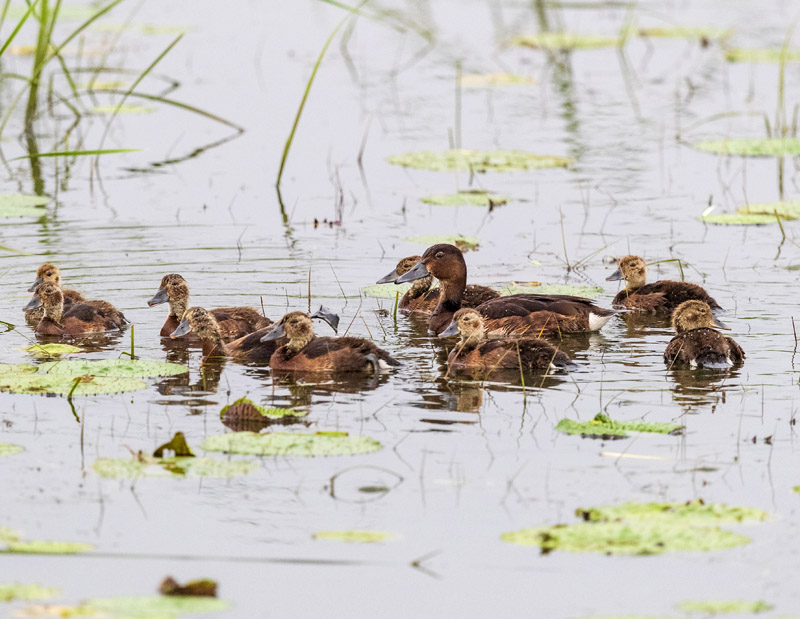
[(597, 322)]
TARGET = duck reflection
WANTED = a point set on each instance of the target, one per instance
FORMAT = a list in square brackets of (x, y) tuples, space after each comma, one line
[(304, 388), (204, 381), (700, 388)]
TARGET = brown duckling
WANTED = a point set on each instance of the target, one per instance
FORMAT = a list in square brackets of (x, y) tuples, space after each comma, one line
[(205, 327), (422, 298), (305, 352), (49, 272), (660, 296), (515, 314), (698, 344), (79, 318), (475, 350), (233, 322)]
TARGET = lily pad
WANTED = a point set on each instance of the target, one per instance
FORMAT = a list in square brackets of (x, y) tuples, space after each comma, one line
[(785, 209), (21, 205), (738, 219), (685, 32), (478, 161), (132, 468), (385, 291), (39, 384), (51, 350), (115, 368), (155, 607), (495, 79), (752, 147), (123, 109), (464, 243), (602, 426), (589, 292), (724, 607), (473, 197), (9, 449), (46, 547), (761, 55), (291, 444), (11, 592), (691, 512), (361, 537), (566, 40), (245, 408)]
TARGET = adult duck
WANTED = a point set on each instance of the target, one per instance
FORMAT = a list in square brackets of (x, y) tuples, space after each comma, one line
[(698, 343), (516, 314), (658, 297)]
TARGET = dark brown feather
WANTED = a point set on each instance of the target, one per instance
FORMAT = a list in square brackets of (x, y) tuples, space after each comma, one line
[(704, 347), (331, 354), (662, 296), (499, 354)]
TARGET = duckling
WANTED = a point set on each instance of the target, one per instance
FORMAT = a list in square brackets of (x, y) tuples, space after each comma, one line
[(697, 343), (422, 298), (512, 315), (202, 323), (79, 318), (476, 351), (661, 296), (233, 322), (49, 272), (307, 353)]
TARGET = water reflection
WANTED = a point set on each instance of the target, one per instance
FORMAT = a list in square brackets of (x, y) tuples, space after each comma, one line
[(698, 388)]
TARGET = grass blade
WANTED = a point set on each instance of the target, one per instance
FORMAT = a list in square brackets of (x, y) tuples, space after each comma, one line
[(78, 153), (18, 27)]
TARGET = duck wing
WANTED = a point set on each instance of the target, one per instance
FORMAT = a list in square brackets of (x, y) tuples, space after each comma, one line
[(525, 304)]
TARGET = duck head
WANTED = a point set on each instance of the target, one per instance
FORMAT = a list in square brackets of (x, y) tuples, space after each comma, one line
[(469, 324), (49, 296), (175, 290), (297, 326), (695, 315), (198, 321), (404, 266), (48, 272), (632, 269), (444, 261)]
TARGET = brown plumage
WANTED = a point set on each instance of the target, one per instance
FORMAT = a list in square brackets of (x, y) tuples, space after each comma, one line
[(474, 350), (78, 318), (50, 273), (698, 344), (516, 314), (304, 352), (422, 297), (233, 322), (660, 296), (204, 326)]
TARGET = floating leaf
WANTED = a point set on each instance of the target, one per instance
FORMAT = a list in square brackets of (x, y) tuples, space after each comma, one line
[(115, 368), (495, 79), (627, 538), (39, 384), (786, 209), (385, 291), (177, 445), (589, 292), (478, 161), (761, 55), (46, 547), (724, 607), (203, 587), (472, 197), (131, 468), (11, 592), (21, 205), (753, 147), (738, 219), (361, 537), (155, 607), (691, 512), (246, 409), (9, 449), (17, 368), (51, 350), (685, 32), (462, 242), (61, 611), (602, 426), (123, 109), (566, 40), (291, 444)]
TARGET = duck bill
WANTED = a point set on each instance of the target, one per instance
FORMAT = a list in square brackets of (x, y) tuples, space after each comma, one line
[(33, 303), (275, 333), (183, 328), (452, 329), (716, 322), (389, 279), (160, 297), (418, 272), (615, 276), (323, 313), (36, 283)]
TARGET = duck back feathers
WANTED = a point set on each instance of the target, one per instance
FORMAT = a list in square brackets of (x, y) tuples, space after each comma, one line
[(662, 296), (333, 354), (703, 347)]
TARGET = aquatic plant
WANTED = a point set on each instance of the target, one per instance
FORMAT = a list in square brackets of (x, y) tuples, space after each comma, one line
[(16, 591), (471, 197), (360, 537), (291, 444), (724, 607), (602, 426), (460, 160)]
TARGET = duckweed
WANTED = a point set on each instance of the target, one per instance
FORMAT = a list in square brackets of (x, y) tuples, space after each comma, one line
[(478, 161), (21, 205), (723, 607), (495, 79), (360, 537), (16, 591), (602, 426), (566, 40), (472, 197), (291, 444), (752, 147), (130, 468), (9, 449)]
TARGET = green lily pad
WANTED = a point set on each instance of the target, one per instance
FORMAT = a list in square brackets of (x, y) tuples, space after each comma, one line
[(11, 592), (17, 368), (724, 607), (385, 291), (291, 444), (21, 205), (155, 607), (785, 209), (46, 547), (685, 32), (761, 55), (40, 384), (472, 197), (130, 468), (462, 242), (51, 350), (123, 109), (603, 426), (246, 408), (738, 219), (752, 147), (478, 161), (589, 292), (689, 513), (9, 449), (495, 79), (114, 368), (627, 538), (566, 40), (360, 537)]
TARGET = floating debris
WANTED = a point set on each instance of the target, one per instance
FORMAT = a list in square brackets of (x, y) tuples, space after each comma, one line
[(478, 161), (360, 537), (123, 109), (203, 587), (685, 32), (10, 449), (43, 547), (566, 41), (762, 55), (495, 79)]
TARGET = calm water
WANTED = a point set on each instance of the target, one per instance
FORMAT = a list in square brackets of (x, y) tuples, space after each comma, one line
[(466, 461)]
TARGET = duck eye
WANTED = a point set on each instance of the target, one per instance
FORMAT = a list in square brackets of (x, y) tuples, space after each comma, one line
[(440, 254)]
